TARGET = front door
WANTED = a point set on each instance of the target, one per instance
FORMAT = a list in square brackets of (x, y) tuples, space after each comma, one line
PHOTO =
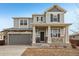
[(41, 36)]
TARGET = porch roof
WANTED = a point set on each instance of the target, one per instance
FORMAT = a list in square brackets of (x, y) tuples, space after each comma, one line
[(18, 29), (52, 24)]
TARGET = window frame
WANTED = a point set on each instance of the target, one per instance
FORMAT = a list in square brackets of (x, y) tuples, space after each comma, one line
[(58, 16), (51, 17), (25, 22), (37, 19), (55, 18), (41, 18), (55, 32), (22, 22)]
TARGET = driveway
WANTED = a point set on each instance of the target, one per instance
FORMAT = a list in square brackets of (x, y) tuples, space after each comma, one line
[(12, 50)]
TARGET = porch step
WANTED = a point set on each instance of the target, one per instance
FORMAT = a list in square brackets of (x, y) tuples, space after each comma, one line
[(42, 45)]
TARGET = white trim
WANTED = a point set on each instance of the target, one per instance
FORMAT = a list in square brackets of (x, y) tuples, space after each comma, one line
[(8, 39), (55, 12), (67, 35), (19, 23), (19, 32), (34, 35), (51, 24), (49, 34)]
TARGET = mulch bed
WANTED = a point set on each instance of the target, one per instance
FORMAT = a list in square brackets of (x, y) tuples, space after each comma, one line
[(51, 52)]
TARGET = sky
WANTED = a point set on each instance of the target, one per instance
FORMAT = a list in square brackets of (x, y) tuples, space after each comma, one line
[(9, 10)]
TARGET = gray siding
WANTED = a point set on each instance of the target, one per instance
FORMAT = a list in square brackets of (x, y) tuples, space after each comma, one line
[(30, 21), (16, 23), (20, 39)]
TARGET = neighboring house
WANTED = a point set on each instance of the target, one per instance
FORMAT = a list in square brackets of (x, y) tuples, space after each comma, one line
[(74, 39), (74, 36), (48, 28)]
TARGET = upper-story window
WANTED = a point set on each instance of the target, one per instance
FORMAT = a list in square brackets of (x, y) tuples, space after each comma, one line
[(55, 18), (58, 15), (23, 22), (39, 19), (51, 17)]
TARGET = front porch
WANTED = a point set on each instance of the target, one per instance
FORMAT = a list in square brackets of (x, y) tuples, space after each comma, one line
[(49, 34)]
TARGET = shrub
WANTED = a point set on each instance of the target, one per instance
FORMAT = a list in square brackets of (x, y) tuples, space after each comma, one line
[(73, 46), (65, 46)]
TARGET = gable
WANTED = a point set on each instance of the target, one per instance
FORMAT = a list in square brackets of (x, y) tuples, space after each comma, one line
[(56, 8)]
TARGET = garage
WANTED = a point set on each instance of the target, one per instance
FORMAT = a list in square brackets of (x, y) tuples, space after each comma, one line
[(20, 39)]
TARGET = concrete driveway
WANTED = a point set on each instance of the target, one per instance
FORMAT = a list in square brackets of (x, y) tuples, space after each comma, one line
[(12, 50)]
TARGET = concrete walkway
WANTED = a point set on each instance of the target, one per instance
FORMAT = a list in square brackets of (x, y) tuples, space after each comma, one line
[(12, 50)]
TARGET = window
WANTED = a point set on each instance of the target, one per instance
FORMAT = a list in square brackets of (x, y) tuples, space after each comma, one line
[(41, 18), (37, 18), (51, 16), (58, 17), (55, 18), (55, 33), (23, 22)]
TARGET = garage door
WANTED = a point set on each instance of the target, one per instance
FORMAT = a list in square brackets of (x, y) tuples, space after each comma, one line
[(20, 39)]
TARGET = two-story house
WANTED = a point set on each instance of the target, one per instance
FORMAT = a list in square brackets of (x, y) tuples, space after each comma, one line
[(48, 28)]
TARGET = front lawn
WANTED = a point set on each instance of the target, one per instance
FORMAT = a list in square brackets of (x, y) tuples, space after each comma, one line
[(51, 52)]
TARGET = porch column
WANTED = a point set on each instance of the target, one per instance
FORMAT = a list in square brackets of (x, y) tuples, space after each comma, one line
[(49, 34), (2, 37), (66, 35), (34, 35)]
